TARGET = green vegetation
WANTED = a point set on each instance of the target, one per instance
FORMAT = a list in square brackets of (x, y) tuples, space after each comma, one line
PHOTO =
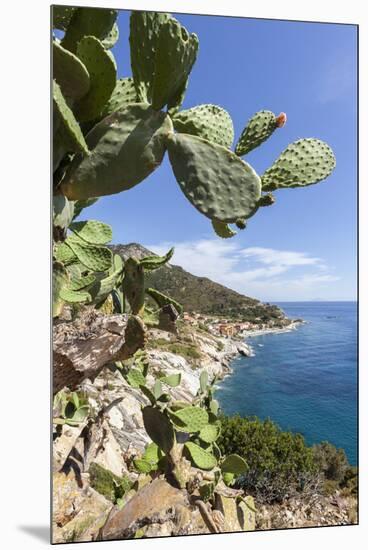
[(109, 135), (334, 465), (280, 463), (169, 422), (108, 484), (188, 350)]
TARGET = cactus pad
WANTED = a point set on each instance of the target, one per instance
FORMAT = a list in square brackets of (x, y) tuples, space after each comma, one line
[(228, 478), (152, 453), (71, 133), (111, 39), (60, 279), (203, 381), (123, 94), (215, 180), (154, 262), (234, 464), (214, 407), (102, 71), (206, 491), (92, 231), (190, 419), (88, 22), (162, 300), (69, 72), (95, 258), (259, 128), (144, 31), (135, 378), (61, 17), (209, 433), (159, 428), (172, 380), (201, 458), (223, 230), (303, 162), (103, 287), (64, 254), (209, 122), (133, 285), (74, 296), (147, 392), (80, 283), (175, 56), (126, 147)]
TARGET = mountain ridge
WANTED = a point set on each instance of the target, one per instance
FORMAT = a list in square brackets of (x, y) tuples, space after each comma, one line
[(201, 294)]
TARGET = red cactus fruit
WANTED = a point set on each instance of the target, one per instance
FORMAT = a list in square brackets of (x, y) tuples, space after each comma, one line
[(281, 120)]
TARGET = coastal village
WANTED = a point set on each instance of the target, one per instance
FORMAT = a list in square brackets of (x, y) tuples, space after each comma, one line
[(218, 326)]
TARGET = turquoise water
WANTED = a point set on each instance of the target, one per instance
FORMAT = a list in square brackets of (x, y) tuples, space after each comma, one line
[(305, 380)]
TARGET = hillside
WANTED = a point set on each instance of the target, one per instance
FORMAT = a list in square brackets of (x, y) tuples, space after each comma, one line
[(200, 294)]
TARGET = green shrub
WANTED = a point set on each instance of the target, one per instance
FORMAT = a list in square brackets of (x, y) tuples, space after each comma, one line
[(185, 350), (331, 461), (280, 463)]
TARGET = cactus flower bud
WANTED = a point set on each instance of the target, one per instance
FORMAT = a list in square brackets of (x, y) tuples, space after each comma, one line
[(281, 120)]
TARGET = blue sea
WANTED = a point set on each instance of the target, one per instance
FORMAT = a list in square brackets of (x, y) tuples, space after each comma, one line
[(306, 379)]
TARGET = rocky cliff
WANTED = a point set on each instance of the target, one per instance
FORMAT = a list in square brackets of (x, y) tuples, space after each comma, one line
[(115, 435)]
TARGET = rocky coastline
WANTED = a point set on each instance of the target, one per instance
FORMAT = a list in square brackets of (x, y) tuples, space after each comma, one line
[(117, 434)]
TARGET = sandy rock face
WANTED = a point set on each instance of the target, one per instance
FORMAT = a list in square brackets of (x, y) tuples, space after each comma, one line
[(78, 511), (156, 503)]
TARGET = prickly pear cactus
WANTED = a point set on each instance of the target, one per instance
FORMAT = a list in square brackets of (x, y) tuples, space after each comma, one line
[(209, 122), (159, 428), (259, 128), (150, 263), (61, 16), (68, 127), (209, 433), (95, 258), (223, 230), (87, 22), (200, 457), (234, 464), (133, 285), (133, 141), (123, 95), (163, 300), (110, 40), (176, 52), (70, 73), (101, 67), (304, 162), (144, 31), (60, 280), (190, 419), (215, 180), (92, 231)]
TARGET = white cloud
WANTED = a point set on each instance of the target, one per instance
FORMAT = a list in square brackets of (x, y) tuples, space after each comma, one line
[(265, 273)]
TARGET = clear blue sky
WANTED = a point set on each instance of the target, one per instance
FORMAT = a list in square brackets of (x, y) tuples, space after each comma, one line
[(303, 247)]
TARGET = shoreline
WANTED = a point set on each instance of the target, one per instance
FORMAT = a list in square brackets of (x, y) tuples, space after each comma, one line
[(293, 326), (245, 349)]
